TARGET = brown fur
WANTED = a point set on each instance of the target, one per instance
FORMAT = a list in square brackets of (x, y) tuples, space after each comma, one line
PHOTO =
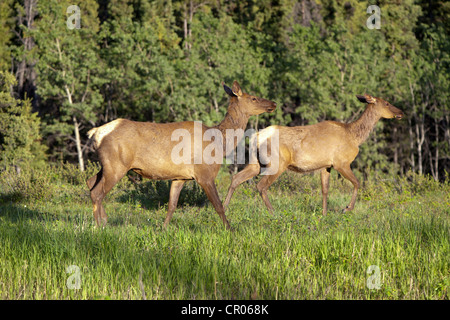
[(146, 147), (321, 146)]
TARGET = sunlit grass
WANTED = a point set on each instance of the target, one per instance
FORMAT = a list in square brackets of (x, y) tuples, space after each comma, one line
[(294, 254)]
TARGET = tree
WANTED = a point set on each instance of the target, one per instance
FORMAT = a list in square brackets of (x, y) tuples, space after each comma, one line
[(323, 73), (22, 49), (221, 50), (6, 25), (140, 59), (68, 68), (20, 139), (429, 94), (165, 60)]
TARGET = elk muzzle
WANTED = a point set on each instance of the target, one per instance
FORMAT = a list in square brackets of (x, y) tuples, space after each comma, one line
[(397, 113), (271, 106)]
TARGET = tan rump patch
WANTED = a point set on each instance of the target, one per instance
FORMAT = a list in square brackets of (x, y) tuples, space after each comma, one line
[(265, 134), (104, 130)]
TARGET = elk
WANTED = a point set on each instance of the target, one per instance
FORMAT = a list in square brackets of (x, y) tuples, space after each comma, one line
[(321, 146), (145, 148)]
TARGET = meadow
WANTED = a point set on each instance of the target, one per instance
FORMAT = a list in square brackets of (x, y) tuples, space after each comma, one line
[(400, 225)]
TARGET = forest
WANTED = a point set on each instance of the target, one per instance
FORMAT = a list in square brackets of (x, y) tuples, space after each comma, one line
[(66, 67)]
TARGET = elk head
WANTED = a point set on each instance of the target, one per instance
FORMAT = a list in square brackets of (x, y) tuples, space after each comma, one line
[(250, 105), (384, 108)]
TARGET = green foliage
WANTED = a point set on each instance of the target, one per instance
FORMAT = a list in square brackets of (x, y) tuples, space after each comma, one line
[(165, 61), (6, 24), (27, 185), (20, 138), (140, 72), (68, 74), (221, 51)]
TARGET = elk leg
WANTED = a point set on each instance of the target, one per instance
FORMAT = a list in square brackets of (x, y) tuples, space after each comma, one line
[(347, 173), (213, 196), (97, 195), (93, 181), (95, 185), (247, 173), (104, 182), (264, 184), (325, 178), (175, 189)]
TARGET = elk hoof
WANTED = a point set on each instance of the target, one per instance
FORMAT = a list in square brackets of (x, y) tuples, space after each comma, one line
[(347, 208)]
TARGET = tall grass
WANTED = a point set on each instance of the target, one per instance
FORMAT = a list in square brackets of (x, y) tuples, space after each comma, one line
[(400, 225)]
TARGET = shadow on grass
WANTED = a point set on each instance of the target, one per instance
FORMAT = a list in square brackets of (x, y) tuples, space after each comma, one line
[(155, 193), (150, 195), (19, 213)]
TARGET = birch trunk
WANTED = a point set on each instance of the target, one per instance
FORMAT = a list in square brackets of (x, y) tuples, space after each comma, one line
[(78, 143)]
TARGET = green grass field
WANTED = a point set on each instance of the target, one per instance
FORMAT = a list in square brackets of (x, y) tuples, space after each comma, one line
[(400, 225)]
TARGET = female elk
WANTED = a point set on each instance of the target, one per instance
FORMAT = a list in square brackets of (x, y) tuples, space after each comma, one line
[(145, 148), (321, 146)]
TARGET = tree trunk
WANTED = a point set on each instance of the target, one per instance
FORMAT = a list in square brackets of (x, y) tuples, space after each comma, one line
[(394, 134), (78, 143), (436, 155), (411, 145), (420, 138), (447, 130), (77, 133), (185, 27), (187, 21)]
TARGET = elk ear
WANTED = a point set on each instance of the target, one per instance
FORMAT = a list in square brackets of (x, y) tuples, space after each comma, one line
[(366, 98), (361, 98), (228, 90), (237, 89)]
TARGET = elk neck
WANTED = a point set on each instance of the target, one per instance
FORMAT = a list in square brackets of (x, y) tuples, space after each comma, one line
[(234, 119), (363, 126)]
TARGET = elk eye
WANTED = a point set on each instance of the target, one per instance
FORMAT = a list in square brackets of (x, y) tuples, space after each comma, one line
[(253, 99)]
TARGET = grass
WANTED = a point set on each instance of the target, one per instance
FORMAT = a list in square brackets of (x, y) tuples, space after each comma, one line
[(400, 225)]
